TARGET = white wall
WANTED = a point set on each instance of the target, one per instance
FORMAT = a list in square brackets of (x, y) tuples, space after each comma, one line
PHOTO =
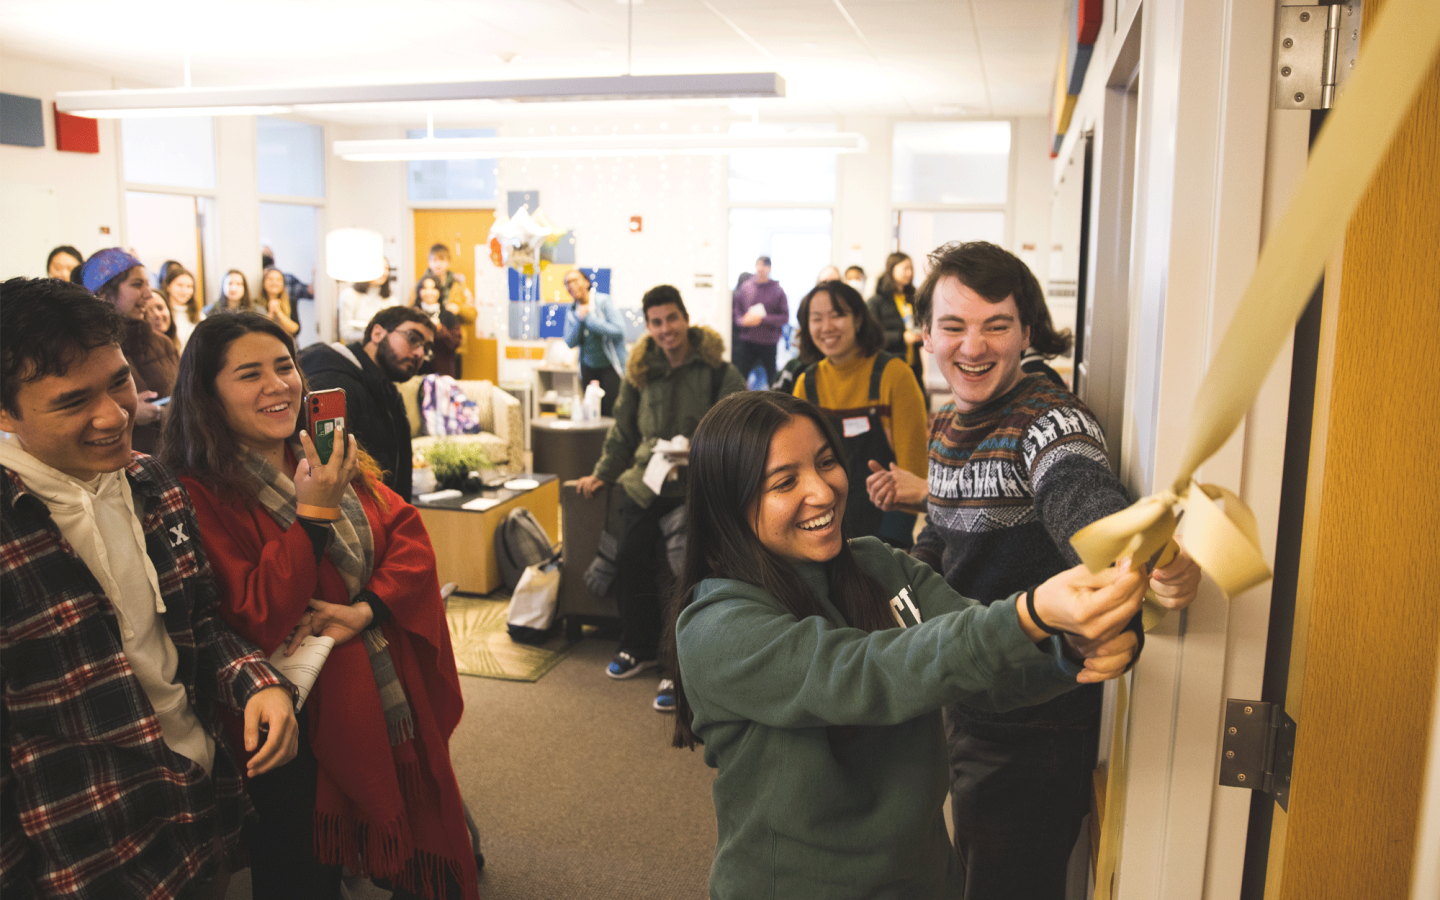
[(238, 206), (1030, 145), (681, 200), (864, 223), (49, 197)]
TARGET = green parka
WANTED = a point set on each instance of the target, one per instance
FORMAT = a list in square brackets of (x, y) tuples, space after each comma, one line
[(657, 403)]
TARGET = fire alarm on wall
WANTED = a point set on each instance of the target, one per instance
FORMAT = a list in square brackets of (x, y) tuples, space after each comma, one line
[(635, 225)]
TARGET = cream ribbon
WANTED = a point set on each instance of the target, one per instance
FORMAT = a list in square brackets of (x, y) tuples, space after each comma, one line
[(1355, 137), (1225, 541)]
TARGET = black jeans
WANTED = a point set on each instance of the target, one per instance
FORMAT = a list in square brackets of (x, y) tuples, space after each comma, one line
[(282, 842), (1019, 794), (747, 356), (609, 383), (642, 574)]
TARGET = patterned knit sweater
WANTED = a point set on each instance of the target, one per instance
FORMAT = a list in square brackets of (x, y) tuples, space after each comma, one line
[(1010, 482)]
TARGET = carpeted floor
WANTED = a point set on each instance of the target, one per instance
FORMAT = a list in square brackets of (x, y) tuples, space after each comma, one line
[(576, 789)]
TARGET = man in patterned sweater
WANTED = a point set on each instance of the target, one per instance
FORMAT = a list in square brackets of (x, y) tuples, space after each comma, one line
[(1017, 465), (113, 782)]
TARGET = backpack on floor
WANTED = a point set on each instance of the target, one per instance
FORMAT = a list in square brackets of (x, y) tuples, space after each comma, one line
[(520, 542)]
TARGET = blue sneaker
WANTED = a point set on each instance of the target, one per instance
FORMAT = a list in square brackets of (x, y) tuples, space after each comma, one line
[(626, 666), (665, 696)]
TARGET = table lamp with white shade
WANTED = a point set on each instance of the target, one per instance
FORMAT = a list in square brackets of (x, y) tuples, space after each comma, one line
[(353, 255)]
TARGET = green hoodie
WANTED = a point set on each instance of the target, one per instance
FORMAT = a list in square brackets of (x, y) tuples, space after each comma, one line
[(805, 810)]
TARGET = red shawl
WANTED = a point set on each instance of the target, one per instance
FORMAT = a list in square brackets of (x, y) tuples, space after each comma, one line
[(393, 813)]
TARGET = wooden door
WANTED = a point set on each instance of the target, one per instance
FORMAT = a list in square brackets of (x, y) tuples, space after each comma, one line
[(460, 230), (1363, 661)]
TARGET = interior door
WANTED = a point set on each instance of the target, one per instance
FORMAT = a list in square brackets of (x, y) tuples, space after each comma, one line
[(461, 230), (1363, 654), (165, 226)]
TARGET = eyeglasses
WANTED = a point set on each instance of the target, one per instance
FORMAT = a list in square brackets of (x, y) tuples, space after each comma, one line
[(414, 338)]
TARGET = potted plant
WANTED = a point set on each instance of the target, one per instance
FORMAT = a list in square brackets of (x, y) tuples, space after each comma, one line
[(453, 462)]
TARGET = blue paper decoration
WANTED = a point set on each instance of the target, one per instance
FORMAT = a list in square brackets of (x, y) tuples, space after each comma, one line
[(599, 279), (523, 288), (552, 320)]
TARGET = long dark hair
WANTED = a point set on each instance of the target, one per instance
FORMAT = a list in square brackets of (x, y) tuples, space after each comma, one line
[(727, 472), (197, 440), (245, 302), (415, 300), (363, 287), (869, 335), (141, 344), (885, 285)]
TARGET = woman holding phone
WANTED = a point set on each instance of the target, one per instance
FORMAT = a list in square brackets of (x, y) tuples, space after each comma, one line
[(302, 548), (813, 668)]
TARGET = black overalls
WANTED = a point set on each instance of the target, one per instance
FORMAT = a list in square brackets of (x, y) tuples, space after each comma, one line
[(863, 435)]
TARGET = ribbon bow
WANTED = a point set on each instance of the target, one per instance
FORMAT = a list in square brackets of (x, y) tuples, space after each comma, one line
[(1225, 542)]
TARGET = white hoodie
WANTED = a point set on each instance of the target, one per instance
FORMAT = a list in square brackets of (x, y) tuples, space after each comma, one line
[(99, 521)]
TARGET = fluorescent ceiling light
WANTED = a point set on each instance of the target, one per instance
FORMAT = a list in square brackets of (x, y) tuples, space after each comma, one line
[(592, 145), (238, 100), (163, 112)]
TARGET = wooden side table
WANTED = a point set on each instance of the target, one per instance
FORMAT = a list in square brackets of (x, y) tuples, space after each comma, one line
[(464, 539)]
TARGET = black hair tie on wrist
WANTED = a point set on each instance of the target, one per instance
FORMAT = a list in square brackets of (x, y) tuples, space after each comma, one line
[(1035, 616)]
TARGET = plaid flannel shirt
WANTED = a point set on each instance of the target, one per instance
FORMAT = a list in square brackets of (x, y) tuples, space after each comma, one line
[(92, 801)]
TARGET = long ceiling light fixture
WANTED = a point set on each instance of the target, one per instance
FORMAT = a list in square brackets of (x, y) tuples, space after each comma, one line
[(592, 145), (249, 100)]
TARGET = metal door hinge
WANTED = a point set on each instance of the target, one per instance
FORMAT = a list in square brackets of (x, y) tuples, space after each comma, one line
[(1315, 48), (1257, 748)]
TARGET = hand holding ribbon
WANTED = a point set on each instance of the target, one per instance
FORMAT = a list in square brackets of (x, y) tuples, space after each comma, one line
[(1221, 533)]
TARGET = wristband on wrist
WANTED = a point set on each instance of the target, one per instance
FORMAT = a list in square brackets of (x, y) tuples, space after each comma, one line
[(323, 513), (1035, 616)]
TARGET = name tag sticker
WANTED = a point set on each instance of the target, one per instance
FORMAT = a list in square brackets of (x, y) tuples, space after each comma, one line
[(855, 425)]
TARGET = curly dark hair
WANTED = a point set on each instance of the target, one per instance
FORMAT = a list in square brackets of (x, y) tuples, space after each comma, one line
[(49, 325), (994, 273)]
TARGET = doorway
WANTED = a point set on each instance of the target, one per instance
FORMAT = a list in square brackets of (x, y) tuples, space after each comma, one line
[(465, 232), (799, 245), (162, 226)]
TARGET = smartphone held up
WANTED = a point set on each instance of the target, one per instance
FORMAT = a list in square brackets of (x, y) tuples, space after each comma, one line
[(326, 416)]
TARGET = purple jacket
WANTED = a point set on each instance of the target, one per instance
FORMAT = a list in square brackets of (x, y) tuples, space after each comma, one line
[(777, 311)]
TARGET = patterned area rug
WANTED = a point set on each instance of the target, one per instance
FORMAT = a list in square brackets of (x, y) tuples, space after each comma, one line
[(483, 647)]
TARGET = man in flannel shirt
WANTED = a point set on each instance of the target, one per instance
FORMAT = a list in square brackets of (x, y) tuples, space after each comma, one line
[(1017, 465), (112, 657)]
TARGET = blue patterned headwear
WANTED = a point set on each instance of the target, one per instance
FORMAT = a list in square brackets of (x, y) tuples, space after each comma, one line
[(104, 266)]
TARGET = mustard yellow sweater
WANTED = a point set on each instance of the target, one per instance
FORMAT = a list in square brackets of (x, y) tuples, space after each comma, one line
[(842, 391)]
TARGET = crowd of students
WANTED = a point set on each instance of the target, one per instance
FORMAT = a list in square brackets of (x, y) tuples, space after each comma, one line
[(802, 639)]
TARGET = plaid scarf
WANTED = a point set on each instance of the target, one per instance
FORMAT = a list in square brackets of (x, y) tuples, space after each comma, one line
[(352, 550)]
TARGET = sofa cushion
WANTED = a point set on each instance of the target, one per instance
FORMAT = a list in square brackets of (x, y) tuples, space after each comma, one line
[(482, 392), (410, 393)]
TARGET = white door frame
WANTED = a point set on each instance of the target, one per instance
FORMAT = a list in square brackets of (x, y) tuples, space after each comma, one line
[(1202, 193)]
